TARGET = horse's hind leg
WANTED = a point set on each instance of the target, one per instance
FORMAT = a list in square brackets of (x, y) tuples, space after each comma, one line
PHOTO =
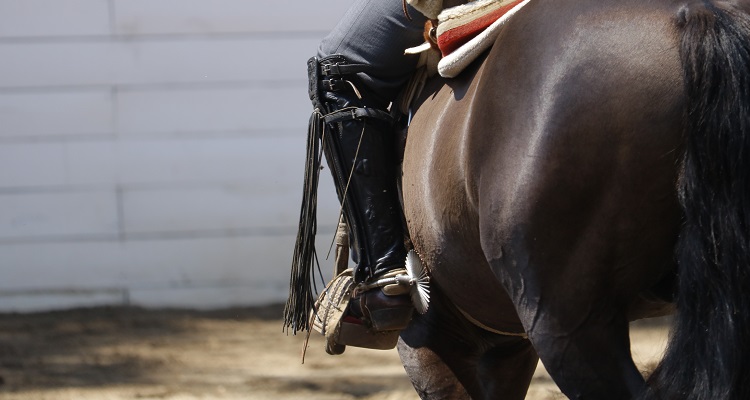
[(591, 361), (446, 357), (576, 324)]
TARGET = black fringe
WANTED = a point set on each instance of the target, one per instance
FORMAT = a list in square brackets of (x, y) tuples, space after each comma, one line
[(301, 284)]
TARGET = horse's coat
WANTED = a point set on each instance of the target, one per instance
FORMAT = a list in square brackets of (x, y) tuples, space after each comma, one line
[(541, 189)]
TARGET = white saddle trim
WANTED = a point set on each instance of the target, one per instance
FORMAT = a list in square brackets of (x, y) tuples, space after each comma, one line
[(452, 64)]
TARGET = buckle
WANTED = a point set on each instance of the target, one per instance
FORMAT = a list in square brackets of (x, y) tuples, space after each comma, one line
[(330, 69), (334, 85)]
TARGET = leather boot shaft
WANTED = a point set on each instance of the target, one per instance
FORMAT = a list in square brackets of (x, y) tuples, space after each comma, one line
[(362, 154)]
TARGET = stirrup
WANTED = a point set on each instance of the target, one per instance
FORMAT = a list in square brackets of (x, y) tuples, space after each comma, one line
[(379, 327), (340, 330)]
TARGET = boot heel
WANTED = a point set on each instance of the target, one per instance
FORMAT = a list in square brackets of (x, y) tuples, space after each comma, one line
[(386, 313)]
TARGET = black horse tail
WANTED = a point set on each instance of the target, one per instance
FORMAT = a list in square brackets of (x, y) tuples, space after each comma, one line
[(708, 356)]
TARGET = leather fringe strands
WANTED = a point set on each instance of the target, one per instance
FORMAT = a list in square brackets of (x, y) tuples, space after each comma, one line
[(301, 284)]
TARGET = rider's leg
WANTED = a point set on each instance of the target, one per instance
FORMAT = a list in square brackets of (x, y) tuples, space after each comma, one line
[(360, 69), (376, 33), (359, 145)]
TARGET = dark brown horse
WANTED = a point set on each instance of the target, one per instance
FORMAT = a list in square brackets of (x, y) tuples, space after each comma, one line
[(592, 169)]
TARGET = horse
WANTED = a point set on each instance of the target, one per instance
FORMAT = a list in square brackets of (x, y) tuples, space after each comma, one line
[(589, 170)]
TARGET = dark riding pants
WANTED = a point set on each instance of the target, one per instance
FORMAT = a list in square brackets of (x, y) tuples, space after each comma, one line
[(376, 32)]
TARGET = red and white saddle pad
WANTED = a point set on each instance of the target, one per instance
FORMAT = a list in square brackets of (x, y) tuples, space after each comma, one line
[(466, 31)]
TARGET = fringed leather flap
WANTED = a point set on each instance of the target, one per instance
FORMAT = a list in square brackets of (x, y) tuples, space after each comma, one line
[(301, 284)]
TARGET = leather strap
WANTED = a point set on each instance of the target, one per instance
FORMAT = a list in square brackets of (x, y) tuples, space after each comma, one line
[(474, 321), (335, 85), (348, 114), (338, 69)]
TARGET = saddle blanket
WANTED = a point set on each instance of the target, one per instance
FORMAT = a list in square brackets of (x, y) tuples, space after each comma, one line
[(464, 32)]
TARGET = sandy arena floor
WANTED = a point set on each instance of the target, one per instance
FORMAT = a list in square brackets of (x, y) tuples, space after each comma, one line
[(131, 353)]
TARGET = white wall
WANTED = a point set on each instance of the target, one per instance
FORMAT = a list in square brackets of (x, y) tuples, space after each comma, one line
[(151, 151)]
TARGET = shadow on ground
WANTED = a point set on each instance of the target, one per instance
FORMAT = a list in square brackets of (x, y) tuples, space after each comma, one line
[(102, 346)]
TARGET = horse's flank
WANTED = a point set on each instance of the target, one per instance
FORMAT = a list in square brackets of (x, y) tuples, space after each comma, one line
[(541, 188), (531, 140)]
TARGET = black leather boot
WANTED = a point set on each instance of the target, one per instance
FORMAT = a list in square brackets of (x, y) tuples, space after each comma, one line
[(360, 146)]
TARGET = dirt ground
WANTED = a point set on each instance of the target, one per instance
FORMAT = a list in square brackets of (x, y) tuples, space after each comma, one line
[(131, 353)]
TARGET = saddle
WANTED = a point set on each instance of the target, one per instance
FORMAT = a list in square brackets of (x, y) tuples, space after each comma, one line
[(463, 32)]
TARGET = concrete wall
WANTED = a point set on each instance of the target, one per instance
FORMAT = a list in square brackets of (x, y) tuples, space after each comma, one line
[(151, 151)]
